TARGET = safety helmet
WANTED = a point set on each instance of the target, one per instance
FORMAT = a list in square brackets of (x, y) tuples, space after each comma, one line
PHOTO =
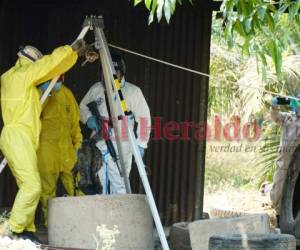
[(119, 63), (30, 53)]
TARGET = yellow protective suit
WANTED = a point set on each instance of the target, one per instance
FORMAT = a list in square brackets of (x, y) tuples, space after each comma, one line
[(59, 141), (21, 108)]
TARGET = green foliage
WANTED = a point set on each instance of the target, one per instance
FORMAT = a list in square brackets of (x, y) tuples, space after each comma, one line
[(237, 81), (257, 27), (237, 87), (226, 67), (160, 8), (268, 153)]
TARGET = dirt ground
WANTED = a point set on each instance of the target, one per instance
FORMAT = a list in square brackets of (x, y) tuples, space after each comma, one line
[(245, 201)]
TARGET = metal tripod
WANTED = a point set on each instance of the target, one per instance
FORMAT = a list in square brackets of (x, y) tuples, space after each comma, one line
[(112, 86)]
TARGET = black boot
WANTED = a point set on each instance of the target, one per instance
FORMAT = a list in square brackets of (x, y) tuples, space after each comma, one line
[(26, 235)]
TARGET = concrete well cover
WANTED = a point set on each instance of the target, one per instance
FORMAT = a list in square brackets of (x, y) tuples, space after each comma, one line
[(124, 221)]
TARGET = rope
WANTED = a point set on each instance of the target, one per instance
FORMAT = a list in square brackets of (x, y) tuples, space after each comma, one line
[(197, 72), (160, 61)]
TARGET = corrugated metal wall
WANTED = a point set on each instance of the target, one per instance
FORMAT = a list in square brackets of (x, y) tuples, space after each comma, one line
[(177, 167)]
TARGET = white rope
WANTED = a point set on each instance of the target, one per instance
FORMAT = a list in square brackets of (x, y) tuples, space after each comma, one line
[(197, 72), (160, 61)]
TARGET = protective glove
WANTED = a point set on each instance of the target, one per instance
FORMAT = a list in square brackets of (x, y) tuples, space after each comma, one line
[(90, 55), (79, 46), (294, 103), (57, 86), (142, 151), (105, 155), (93, 124)]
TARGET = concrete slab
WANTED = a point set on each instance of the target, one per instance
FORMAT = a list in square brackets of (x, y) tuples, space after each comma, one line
[(73, 222), (46, 247), (202, 230)]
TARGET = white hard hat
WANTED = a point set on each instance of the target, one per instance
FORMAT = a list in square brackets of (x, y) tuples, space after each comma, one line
[(30, 53)]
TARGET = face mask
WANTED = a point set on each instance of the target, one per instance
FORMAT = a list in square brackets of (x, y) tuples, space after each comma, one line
[(123, 82), (57, 86), (44, 86)]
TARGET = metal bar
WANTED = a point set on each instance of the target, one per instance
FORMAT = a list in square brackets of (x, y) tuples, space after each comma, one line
[(117, 131), (82, 33), (105, 58), (201, 147), (48, 90), (3, 164), (109, 72)]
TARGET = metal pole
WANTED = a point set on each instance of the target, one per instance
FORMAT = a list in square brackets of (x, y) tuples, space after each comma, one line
[(106, 59), (108, 87), (201, 147), (151, 201)]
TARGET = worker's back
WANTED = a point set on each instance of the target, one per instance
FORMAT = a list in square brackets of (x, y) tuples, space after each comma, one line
[(20, 99), (56, 115), (60, 136)]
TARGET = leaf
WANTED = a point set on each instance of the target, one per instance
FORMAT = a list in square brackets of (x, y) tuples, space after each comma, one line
[(294, 9), (255, 22), (167, 10), (172, 6), (247, 25), (238, 26), (275, 53), (245, 8), (228, 33), (227, 6), (148, 4), (154, 5), (263, 58), (283, 8), (160, 5), (136, 2), (239, 9), (271, 7), (180, 2), (150, 18), (270, 20), (245, 48), (279, 60), (261, 11)]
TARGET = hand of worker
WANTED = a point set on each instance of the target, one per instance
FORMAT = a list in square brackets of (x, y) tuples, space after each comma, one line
[(79, 46), (91, 56), (142, 151), (105, 155), (93, 124)]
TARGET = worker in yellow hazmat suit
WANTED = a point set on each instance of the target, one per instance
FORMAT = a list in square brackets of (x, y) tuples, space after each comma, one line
[(59, 141), (21, 108)]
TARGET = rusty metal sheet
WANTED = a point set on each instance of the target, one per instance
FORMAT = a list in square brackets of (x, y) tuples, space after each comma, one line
[(177, 166)]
